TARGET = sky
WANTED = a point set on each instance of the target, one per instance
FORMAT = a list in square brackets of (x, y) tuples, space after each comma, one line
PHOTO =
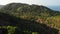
[(37, 2)]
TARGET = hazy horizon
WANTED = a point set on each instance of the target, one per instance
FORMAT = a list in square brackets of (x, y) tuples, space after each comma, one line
[(37, 2)]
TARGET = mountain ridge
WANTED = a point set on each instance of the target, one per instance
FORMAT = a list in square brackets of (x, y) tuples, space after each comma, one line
[(25, 7)]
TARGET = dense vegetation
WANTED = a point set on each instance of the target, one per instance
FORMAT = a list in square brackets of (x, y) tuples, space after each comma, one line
[(38, 14), (13, 25)]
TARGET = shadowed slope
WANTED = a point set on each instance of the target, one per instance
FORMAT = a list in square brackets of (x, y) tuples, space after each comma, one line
[(22, 24)]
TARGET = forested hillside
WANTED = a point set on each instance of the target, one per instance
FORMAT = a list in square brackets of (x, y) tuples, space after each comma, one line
[(13, 25), (40, 14)]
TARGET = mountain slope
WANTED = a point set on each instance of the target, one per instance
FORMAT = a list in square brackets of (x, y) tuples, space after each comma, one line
[(29, 12), (40, 14), (8, 22), (22, 9)]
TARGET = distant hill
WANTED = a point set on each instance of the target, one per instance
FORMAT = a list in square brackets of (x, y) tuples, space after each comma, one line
[(57, 8), (19, 9), (1, 6)]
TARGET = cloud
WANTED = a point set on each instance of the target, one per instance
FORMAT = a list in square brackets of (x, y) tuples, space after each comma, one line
[(38, 2)]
